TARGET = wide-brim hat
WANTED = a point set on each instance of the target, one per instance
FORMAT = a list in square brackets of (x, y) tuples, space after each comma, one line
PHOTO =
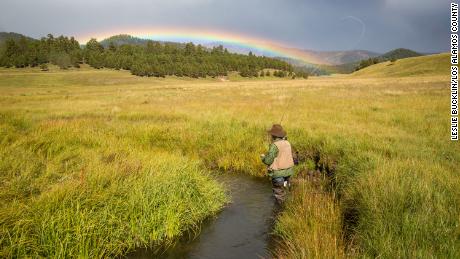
[(277, 131)]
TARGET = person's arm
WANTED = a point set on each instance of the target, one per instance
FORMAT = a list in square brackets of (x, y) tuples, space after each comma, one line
[(271, 155)]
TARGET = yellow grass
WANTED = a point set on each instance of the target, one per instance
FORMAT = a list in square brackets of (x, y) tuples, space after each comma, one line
[(431, 65), (82, 150)]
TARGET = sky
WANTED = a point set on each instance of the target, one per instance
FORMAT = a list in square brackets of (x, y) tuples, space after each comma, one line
[(323, 25)]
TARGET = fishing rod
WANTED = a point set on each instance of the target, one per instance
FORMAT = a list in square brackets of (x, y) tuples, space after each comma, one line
[(286, 108)]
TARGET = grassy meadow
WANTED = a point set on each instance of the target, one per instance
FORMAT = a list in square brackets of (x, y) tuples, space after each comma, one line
[(95, 163), (432, 65)]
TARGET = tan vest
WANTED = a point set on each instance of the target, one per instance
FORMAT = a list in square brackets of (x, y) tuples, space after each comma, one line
[(284, 159)]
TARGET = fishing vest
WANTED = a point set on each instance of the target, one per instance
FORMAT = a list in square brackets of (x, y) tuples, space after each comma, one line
[(284, 158)]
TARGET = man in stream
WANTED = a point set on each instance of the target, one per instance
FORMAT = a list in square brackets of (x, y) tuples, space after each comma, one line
[(280, 161)]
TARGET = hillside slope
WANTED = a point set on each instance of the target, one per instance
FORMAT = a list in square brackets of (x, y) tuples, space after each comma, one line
[(124, 39), (346, 62), (344, 57), (399, 54), (4, 36), (431, 65)]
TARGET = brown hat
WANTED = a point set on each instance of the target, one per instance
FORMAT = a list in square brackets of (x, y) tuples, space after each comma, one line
[(277, 131)]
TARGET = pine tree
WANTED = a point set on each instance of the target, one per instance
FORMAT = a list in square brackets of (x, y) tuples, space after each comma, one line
[(94, 46), (112, 47), (153, 59)]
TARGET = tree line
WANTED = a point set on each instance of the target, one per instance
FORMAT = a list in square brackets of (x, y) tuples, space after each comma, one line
[(151, 59), (160, 60), (62, 51), (368, 62)]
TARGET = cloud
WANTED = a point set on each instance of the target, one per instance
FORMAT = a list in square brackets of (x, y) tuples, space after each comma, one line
[(311, 24), (417, 4)]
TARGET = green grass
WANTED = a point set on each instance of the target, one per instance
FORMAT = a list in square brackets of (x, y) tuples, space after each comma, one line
[(97, 162), (431, 65), (310, 227), (74, 187)]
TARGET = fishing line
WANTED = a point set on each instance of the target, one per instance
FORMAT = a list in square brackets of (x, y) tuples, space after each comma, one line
[(286, 108)]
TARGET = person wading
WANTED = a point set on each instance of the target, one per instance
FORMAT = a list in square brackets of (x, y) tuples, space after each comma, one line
[(280, 161)]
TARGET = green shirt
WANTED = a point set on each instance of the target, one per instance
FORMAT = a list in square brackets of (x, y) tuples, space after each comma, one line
[(270, 157)]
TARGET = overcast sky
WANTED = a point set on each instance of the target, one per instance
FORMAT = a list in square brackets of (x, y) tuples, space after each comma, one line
[(376, 25)]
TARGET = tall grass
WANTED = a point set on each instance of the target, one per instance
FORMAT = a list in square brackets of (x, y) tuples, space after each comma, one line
[(72, 189), (311, 226), (87, 157)]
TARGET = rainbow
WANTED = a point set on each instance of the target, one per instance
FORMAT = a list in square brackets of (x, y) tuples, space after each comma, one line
[(201, 36)]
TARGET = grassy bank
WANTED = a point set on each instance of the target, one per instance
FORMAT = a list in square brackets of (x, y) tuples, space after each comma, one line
[(310, 227), (72, 187), (85, 149)]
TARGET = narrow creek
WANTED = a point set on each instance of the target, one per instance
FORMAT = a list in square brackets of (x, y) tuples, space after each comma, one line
[(240, 230)]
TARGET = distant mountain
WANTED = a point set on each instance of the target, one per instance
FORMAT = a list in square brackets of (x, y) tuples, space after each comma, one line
[(124, 39), (342, 68), (322, 69), (323, 57), (390, 55), (343, 57), (4, 36), (399, 53)]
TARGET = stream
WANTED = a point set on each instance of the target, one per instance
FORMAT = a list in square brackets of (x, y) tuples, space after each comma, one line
[(240, 230)]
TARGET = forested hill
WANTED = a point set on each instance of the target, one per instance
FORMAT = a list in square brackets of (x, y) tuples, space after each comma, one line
[(399, 53), (4, 36), (152, 59), (123, 39), (392, 55)]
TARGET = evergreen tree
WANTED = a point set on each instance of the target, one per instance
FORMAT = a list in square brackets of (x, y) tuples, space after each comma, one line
[(152, 59), (112, 47), (94, 46)]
